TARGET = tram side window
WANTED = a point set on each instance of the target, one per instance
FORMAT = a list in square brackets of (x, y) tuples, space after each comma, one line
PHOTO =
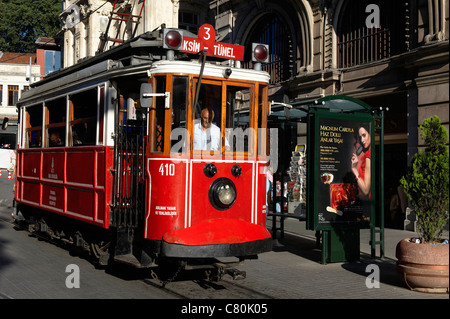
[(179, 109), (83, 118), (56, 122), (239, 131), (33, 130), (159, 113)]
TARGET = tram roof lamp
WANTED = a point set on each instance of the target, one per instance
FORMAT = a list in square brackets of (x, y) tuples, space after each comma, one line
[(260, 53), (172, 39), (226, 73)]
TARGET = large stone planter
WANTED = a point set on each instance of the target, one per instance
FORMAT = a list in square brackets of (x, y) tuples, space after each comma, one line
[(423, 267)]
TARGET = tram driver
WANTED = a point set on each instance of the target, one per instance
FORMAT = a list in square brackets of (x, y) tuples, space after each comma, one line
[(206, 134)]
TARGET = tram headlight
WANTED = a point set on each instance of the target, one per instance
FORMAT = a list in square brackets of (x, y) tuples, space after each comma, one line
[(226, 195), (222, 193)]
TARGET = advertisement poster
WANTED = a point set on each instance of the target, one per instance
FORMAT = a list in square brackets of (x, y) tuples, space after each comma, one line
[(344, 185)]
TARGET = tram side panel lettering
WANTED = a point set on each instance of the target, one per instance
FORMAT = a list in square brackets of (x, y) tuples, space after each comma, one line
[(53, 197), (167, 197), (53, 166)]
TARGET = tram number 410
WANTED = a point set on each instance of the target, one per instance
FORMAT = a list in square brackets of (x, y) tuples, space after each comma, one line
[(167, 169)]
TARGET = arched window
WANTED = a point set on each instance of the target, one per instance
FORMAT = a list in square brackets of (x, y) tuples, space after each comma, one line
[(358, 43), (271, 30)]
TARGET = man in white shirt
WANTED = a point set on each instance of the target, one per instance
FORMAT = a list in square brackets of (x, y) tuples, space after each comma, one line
[(206, 135)]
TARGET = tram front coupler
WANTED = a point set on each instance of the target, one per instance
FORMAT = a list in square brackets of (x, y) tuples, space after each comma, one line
[(219, 270)]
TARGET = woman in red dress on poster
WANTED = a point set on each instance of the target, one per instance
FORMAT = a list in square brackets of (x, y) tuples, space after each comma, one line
[(361, 164)]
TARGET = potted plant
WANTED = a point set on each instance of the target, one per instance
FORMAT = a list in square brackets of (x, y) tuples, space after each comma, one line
[(423, 263)]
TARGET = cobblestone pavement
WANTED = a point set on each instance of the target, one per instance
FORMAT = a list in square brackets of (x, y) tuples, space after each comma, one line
[(30, 268)]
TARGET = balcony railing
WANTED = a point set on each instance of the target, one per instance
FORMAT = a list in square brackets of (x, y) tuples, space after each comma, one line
[(364, 45)]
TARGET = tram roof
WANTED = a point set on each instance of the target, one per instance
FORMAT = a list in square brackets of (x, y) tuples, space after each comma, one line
[(135, 56), (141, 45), (213, 70)]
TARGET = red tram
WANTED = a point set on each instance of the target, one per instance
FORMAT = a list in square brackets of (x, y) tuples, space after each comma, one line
[(144, 153)]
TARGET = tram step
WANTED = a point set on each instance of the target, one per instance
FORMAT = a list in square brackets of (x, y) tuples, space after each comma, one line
[(127, 259)]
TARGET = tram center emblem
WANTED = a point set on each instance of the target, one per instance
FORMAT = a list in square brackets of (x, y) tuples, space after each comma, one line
[(52, 174)]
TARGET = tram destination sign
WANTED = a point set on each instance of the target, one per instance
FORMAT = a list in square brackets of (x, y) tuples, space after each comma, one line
[(206, 41)]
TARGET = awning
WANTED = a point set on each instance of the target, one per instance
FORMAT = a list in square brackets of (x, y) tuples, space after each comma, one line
[(296, 111)]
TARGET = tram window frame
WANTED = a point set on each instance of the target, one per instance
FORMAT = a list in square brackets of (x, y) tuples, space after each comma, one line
[(33, 126), (83, 114), (233, 136), (179, 114), (55, 122), (101, 114), (157, 115), (263, 113)]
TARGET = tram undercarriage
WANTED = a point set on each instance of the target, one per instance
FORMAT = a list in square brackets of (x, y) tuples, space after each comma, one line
[(105, 247), (70, 234)]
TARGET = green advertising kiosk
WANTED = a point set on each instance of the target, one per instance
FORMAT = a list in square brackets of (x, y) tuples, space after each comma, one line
[(344, 172)]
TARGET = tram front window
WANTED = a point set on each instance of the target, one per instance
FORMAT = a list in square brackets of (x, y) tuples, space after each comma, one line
[(213, 112), (208, 119), (221, 120)]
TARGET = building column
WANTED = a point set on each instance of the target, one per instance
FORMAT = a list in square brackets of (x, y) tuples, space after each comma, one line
[(436, 21), (413, 125)]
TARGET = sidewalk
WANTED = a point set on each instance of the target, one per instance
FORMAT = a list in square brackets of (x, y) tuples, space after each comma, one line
[(391, 236), (296, 262)]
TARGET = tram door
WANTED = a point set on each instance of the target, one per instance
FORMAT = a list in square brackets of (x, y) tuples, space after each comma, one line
[(131, 129)]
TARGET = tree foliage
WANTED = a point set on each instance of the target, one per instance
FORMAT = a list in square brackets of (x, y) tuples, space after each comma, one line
[(22, 22), (427, 179)]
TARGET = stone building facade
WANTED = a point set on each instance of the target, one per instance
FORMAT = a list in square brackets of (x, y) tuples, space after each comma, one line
[(85, 20), (17, 72), (387, 53)]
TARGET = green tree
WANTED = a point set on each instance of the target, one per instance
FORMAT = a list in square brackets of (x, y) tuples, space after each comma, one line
[(22, 22), (427, 180)]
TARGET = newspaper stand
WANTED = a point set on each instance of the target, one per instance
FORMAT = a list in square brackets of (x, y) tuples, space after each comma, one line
[(336, 207)]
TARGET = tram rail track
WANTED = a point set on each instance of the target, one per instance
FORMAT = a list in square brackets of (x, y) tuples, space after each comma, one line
[(204, 289)]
